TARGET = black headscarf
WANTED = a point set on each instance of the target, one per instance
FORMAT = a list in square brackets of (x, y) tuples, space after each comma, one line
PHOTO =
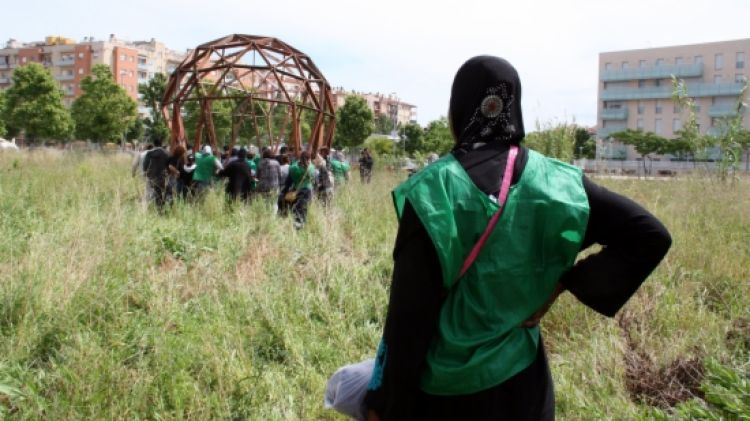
[(485, 115), (485, 103)]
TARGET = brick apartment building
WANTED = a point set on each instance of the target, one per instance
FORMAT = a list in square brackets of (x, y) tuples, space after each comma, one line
[(389, 105), (69, 61)]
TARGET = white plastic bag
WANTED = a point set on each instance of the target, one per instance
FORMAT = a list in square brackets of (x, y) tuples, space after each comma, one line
[(346, 389)]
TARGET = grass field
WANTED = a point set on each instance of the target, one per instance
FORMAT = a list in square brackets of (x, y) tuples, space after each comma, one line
[(109, 310)]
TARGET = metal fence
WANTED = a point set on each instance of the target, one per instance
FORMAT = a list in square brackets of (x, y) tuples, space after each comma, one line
[(652, 168)]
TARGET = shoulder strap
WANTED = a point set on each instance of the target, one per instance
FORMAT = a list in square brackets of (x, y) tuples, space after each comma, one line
[(504, 188)]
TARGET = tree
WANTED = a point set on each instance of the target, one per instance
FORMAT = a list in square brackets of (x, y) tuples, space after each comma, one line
[(438, 137), (384, 124), (104, 111), (584, 145), (353, 122), (690, 140), (152, 93), (135, 131), (380, 145), (645, 143), (2, 114), (34, 104), (412, 135)]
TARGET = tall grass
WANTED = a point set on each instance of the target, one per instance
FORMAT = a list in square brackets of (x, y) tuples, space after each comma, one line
[(111, 310)]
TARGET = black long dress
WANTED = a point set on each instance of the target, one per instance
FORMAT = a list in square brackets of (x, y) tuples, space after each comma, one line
[(634, 243)]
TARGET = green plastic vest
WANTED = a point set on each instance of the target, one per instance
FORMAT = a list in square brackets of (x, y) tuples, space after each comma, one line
[(339, 169), (204, 167), (479, 343), (296, 173)]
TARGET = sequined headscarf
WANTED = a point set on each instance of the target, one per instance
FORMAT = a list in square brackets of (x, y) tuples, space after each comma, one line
[(485, 103)]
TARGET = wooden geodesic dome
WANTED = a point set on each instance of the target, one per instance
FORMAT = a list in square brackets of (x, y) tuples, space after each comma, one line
[(260, 88)]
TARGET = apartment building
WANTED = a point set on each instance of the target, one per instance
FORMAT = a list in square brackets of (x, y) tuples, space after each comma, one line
[(70, 61), (380, 104), (635, 90)]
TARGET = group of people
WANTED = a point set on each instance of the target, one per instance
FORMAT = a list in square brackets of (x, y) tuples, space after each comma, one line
[(288, 179)]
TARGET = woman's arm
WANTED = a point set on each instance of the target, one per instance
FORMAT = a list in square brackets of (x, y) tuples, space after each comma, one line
[(633, 243)]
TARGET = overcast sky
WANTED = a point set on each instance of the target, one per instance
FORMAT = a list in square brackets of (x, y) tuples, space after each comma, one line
[(412, 48)]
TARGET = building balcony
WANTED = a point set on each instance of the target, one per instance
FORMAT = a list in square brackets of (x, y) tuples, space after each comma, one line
[(607, 131), (4, 80), (65, 62), (665, 92), (656, 72), (4, 66), (144, 66), (723, 110), (65, 77), (615, 114)]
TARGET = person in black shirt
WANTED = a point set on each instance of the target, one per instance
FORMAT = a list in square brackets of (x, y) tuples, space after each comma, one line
[(633, 243), (155, 165), (239, 177)]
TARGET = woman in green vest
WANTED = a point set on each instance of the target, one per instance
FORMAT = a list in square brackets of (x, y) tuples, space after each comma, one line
[(206, 166), (488, 237), (298, 190)]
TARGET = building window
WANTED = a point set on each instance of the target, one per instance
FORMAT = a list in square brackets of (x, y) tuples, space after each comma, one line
[(657, 82), (697, 105), (717, 79), (677, 109), (641, 83), (739, 78), (642, 64), (718, 61), (80, 55), (657, 126), (641, 107), (122, 57), (676, 125), (603, 87), (698, 59), (625, 65), (659, 62), (639, 124), (658, 106), (607, 66), (678, 61), (740, 63)]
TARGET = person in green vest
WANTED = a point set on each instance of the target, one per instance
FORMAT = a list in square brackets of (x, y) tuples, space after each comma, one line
[(340, 169), (206, 166), (487, 240), (298, 190)]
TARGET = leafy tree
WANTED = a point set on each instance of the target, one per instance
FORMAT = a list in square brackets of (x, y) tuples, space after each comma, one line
[(152, 93), (353, 122), (584, 145), (438, 137), (384, 124), (380, 145), (135, 131), (104, 111), (645, 143), (690, 138), (412, 135), (34, 104), (2, 114)]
